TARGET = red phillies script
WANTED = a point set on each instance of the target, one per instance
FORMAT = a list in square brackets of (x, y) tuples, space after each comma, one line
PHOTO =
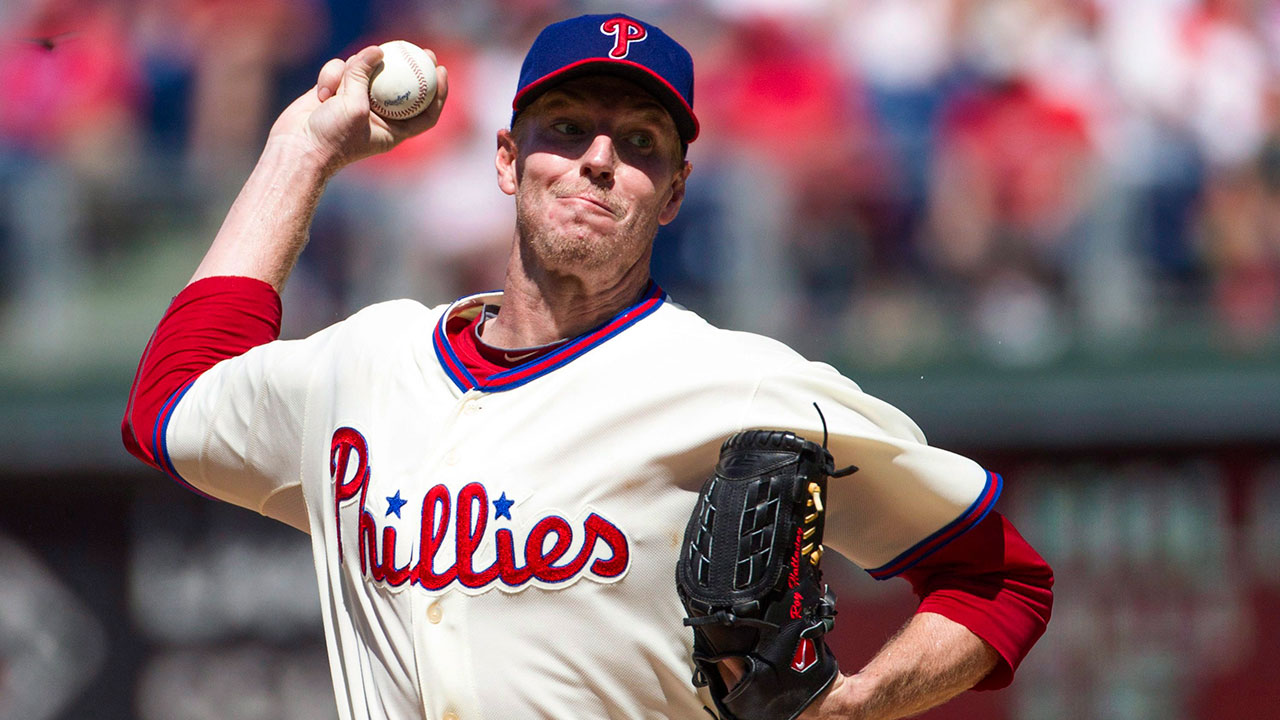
[(543, 550)]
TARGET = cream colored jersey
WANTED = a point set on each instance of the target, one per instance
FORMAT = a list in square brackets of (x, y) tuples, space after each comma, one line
[(507, 549)]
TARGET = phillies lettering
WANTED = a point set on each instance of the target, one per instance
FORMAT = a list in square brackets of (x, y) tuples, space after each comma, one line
[(345, 442), (542, 557), (624, 31)]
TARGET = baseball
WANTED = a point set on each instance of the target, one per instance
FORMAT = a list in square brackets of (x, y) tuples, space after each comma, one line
[(404, 83)]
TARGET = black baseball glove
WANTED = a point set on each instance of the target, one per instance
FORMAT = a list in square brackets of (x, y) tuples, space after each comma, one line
[(750, 580)]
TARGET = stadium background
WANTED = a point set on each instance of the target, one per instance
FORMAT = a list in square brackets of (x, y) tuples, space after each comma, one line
[(1048, 229)]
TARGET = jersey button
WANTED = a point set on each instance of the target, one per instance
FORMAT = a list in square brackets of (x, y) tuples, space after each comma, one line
[(451, 715), (434, 614)]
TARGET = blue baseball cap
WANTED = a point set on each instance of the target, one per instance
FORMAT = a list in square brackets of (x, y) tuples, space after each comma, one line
[(616, 45)]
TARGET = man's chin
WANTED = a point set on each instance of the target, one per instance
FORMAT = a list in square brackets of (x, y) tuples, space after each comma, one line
[(587, 221), (567, 251), (585, 232)]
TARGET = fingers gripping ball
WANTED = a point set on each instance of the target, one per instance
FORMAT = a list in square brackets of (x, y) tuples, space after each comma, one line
[(750, 580), (404, 83)]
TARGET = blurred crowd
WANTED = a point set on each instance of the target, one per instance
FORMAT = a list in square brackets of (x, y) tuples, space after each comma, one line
[(887, 182)]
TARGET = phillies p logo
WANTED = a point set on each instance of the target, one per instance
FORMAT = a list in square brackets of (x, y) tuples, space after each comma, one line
[(624, 31)]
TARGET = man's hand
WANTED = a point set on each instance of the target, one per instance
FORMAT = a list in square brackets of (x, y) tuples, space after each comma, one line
[(332, 123)]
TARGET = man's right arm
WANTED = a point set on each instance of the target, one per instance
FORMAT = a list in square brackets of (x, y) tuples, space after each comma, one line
[(232, 302)]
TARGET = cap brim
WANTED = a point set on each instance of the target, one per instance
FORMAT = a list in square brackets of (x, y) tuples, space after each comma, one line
[(686, 122)]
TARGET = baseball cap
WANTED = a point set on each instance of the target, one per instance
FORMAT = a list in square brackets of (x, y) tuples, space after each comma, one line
[(614, 44)]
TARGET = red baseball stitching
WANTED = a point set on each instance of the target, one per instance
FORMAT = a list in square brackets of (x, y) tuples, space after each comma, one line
[(422, 90)]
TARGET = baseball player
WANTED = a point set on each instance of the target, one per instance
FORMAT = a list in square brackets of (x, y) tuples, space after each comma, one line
[(496, 489)]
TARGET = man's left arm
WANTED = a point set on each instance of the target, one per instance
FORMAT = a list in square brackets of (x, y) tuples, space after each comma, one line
[(929, 661), (986, 598), (926, 514)]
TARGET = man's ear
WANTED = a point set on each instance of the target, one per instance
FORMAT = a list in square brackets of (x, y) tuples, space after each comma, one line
[(506, 162), (672, 207)]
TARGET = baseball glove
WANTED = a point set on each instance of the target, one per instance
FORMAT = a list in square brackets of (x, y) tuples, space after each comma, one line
[(750, 580)]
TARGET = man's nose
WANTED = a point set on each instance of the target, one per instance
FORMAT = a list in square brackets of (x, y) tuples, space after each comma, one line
[(600, 158)]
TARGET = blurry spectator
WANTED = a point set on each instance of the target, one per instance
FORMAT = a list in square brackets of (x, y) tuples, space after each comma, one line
[(1156, 154), (1226, 83), (1229, 92), (1011, 186), (772, 94), (905, 51), (71, 85), (1242, 236), (775, 92), (1010, 180), (71, 98)]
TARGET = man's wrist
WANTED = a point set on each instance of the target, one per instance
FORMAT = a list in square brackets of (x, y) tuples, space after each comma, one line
[(295, 156), (843, 699), (850, 697)]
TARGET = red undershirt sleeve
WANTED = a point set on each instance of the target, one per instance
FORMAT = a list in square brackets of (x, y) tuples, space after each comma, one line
[(210, 320), (993, 582)]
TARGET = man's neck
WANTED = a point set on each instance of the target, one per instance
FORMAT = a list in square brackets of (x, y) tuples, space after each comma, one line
[(540, 306)]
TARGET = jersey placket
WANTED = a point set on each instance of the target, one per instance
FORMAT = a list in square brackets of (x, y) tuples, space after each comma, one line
[(441, 634)]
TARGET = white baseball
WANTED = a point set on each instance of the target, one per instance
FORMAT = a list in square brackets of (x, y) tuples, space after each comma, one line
[(404, 83)]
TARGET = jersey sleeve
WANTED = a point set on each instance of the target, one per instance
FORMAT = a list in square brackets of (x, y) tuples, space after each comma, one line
[(993, 582), (210, 320), (907, 499), (235, 433), (217, 402)]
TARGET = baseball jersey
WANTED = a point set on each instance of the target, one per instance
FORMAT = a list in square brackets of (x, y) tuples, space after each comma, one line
[(506, 547)]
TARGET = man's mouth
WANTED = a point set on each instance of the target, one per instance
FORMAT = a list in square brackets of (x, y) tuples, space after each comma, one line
[(593, 201)]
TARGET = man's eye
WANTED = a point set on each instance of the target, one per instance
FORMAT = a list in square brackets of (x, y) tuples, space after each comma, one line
[(567, 128), (641, 140)]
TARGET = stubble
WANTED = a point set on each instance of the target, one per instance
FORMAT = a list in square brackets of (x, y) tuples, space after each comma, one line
[(575, 244)]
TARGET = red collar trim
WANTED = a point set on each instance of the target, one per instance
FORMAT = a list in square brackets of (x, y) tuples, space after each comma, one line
[(535, 367)]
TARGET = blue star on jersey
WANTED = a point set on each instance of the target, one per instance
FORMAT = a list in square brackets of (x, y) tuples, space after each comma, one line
[(502, 507), (394, 503)]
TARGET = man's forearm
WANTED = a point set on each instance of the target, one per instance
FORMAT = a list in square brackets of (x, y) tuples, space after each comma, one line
[(931, 660), (267, 226)]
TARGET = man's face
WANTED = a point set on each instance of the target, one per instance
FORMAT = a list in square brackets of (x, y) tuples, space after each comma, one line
[(595, 167)]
